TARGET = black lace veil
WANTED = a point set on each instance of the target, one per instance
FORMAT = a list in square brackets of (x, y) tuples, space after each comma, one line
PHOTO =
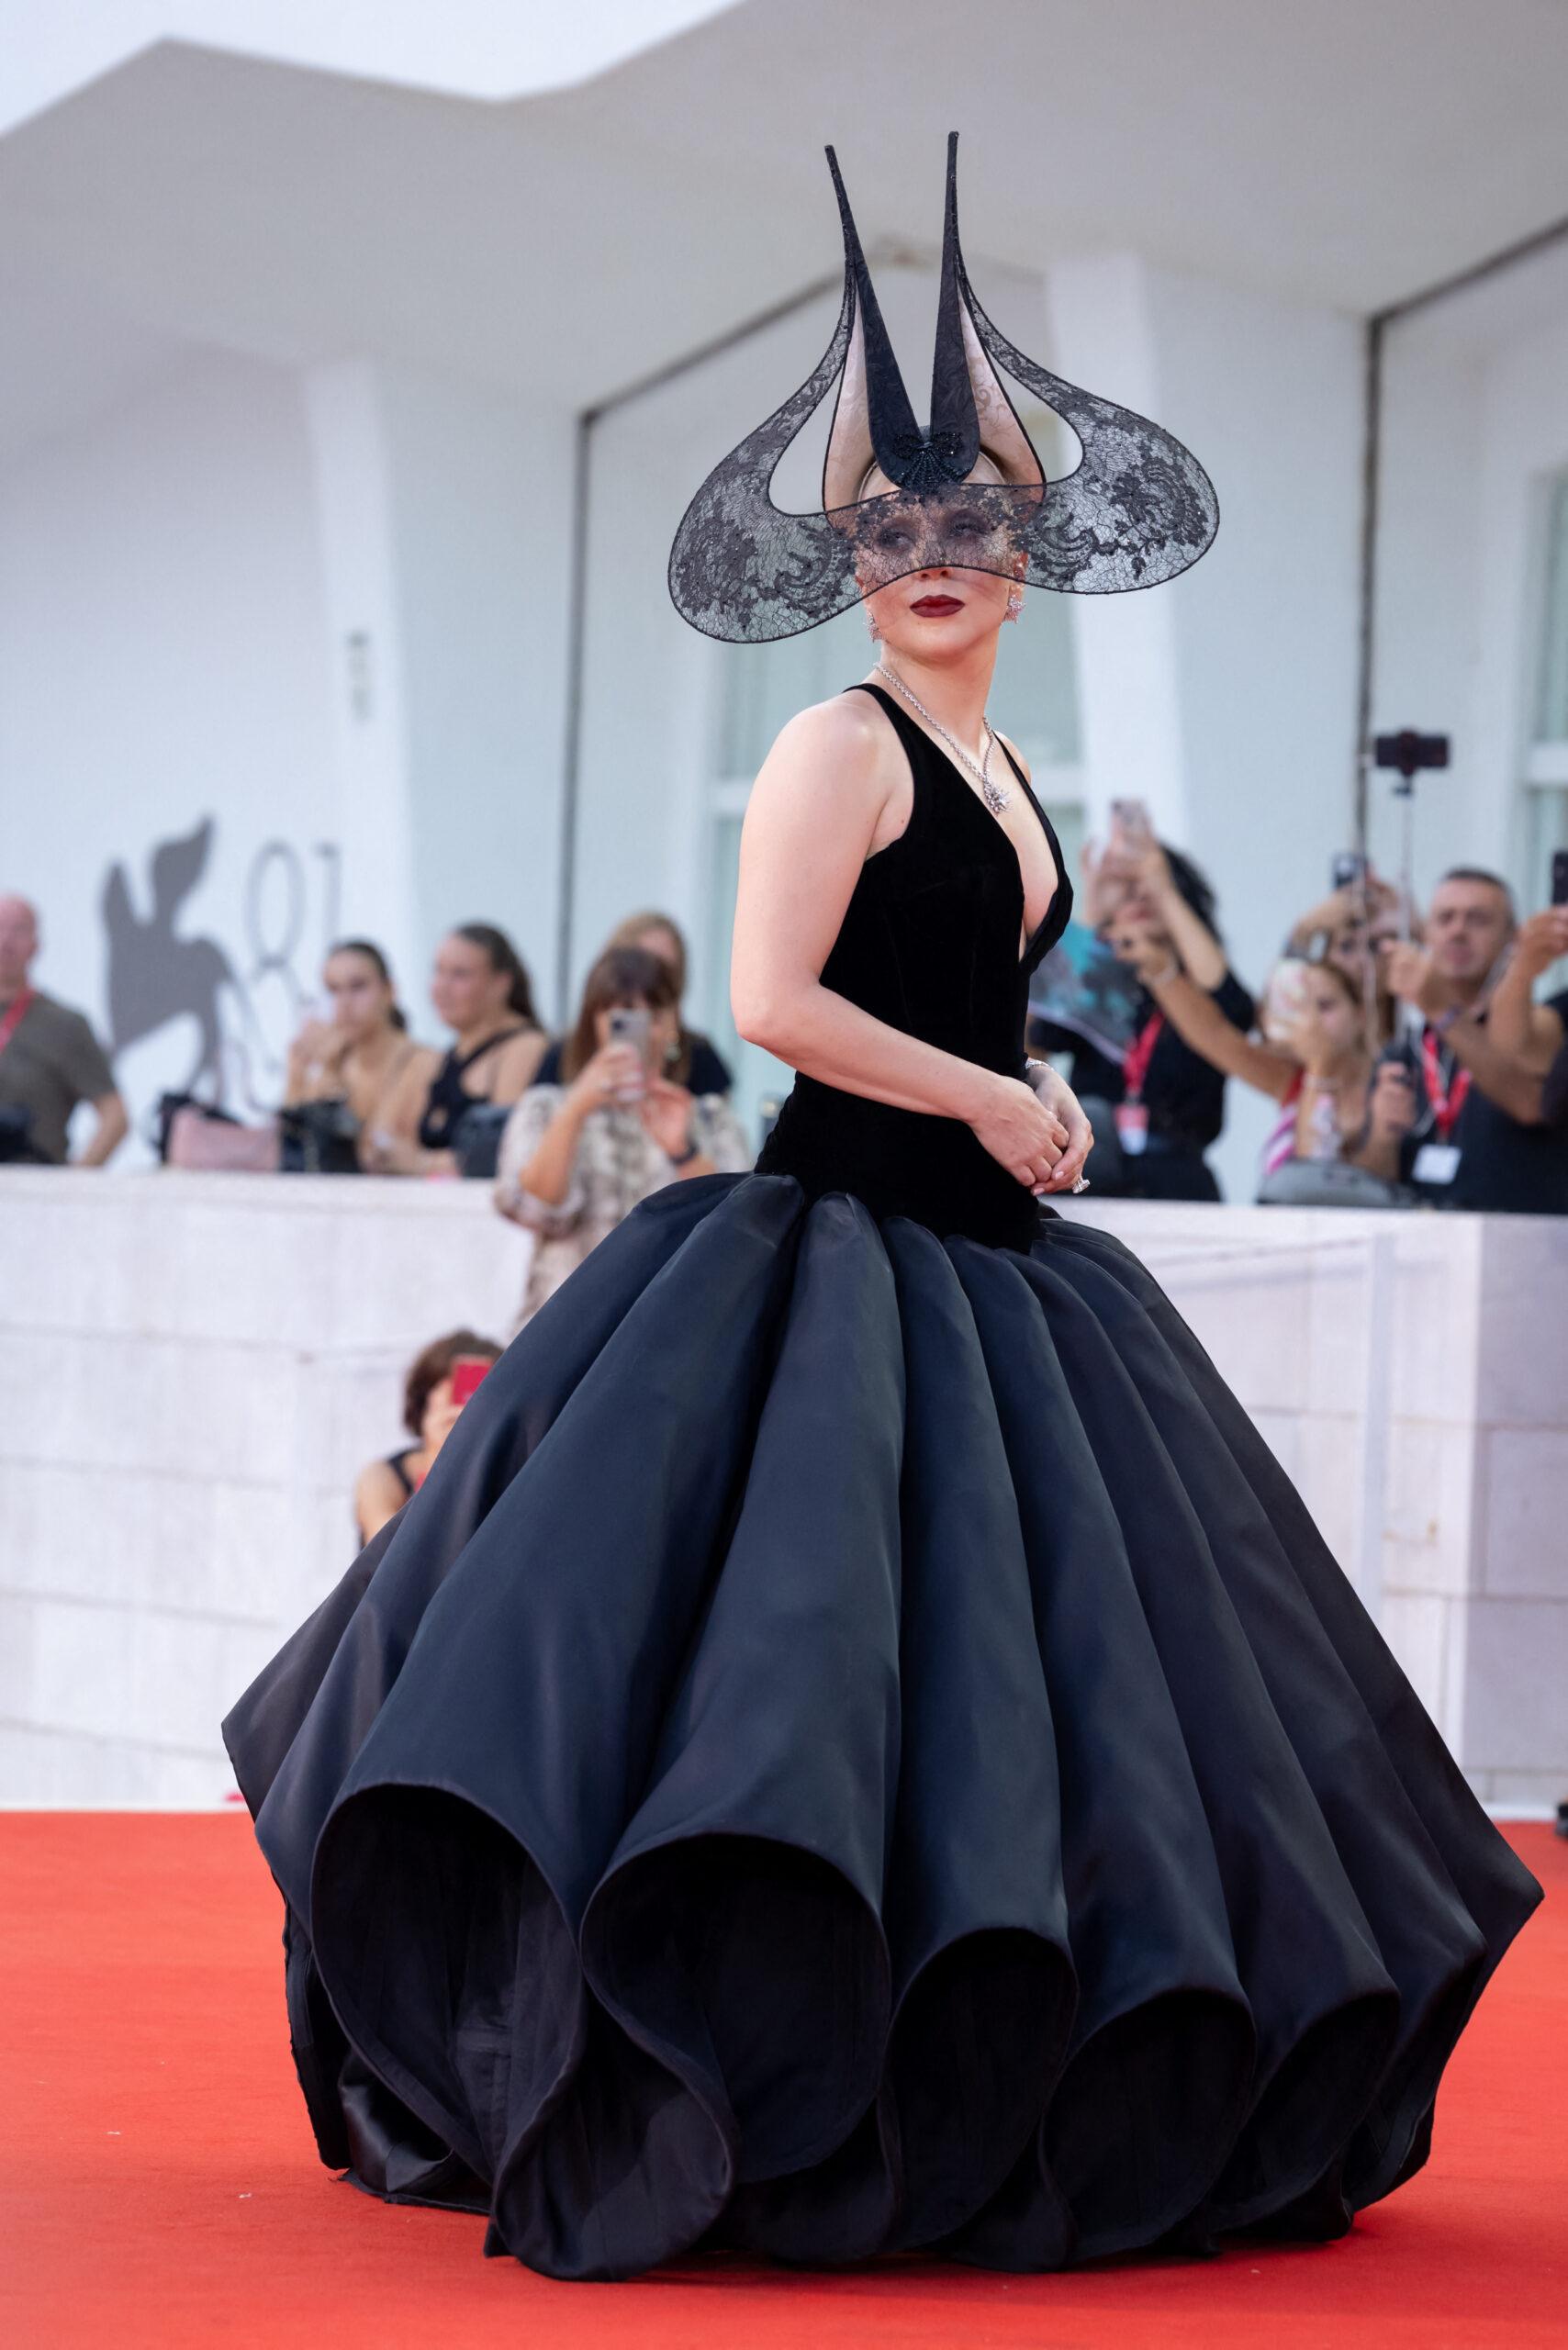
[(1136, 509)]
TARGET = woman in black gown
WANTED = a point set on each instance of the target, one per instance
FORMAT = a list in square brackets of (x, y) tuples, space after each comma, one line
[(857, 1744)]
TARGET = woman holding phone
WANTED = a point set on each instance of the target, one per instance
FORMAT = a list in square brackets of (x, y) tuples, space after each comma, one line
[(439, 1382), (578, 1154), (1167, 1101), (1338, 1103)]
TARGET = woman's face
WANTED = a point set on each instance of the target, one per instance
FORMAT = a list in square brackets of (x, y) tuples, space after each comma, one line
[(1325, 1002), (664, 1026), (466, 987), (1349, 949), (941, 610), (437, 1402), (361, 999)]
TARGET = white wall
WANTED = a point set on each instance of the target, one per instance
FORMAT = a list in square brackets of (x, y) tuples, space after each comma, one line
[(452, 563), (193, 1368), (179, 585), (163, 647)]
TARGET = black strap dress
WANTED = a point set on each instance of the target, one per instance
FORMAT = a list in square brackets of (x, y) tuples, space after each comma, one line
[(857, 1744), (928, 944)]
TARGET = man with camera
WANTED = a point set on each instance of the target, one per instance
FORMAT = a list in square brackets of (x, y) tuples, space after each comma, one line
[(49, 1059), (1477, 1063)]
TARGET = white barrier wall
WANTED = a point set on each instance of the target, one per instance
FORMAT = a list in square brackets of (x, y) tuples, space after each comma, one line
[(193, 1368)]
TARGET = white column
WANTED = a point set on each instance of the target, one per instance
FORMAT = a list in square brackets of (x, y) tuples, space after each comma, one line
[(354, 500), (445, 521)]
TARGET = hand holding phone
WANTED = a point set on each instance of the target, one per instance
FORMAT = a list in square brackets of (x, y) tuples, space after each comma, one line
[(1285, 1001), (1132, 834), (467, 1371), (633, 1024)]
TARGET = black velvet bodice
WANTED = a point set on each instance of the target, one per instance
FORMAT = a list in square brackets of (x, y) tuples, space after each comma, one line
[(928, 944)]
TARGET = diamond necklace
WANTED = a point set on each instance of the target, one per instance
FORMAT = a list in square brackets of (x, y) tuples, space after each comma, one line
[(995, 795)]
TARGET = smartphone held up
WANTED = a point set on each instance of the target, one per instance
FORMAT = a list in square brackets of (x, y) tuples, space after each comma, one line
[(467, 1371), (633, 1024)]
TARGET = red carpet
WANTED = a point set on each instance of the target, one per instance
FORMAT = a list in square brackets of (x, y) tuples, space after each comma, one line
[(161, 2186)]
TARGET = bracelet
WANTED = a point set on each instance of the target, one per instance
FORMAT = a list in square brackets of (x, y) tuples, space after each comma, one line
[(685, 1158)]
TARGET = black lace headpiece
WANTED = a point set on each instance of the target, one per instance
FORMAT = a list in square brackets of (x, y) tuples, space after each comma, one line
[(1138, 508)]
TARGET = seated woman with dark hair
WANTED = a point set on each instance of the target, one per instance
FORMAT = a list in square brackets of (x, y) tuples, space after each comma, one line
[(354, 1061), (577, 1154), (481, 988), (692, 1059), (1164, 1104), (429, 1414)]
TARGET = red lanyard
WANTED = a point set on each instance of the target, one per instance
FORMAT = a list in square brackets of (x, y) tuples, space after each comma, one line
[(15, 1013), (1446, 1101), (1134, 1068)]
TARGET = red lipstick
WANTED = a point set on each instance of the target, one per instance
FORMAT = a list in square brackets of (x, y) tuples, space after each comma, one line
[(937, 608)]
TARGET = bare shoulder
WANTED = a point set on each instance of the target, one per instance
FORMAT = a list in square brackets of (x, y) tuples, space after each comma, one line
[(374, 1477), (833, 748), (521, 1056), (848, 723), (378, 1494), (412, 1076)]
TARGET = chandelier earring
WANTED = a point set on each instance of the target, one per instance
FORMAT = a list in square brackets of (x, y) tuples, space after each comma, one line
[(1014, 602), (872, 631)]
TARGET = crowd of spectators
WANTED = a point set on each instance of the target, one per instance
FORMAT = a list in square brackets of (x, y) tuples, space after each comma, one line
[(1406, 1055), (1407, 1052)]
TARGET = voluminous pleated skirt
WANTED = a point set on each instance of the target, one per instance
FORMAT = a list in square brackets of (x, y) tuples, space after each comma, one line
[(857, 1745)]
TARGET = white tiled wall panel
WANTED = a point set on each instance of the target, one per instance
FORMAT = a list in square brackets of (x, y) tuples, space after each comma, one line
[(192, 1368)]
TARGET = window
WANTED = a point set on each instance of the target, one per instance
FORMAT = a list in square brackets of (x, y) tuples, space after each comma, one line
[(1546, 755)]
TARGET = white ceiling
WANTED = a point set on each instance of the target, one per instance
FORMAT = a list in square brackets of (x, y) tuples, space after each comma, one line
[(571, 242)]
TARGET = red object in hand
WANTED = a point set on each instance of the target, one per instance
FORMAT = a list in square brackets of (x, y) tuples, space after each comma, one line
[(467, 1371)]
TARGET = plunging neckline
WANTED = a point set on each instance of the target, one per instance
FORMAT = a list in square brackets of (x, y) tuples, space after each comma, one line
[(1047, 835), (898, 717)]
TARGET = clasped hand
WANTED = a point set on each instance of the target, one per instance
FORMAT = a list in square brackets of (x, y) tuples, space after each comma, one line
[(1037, 1131)]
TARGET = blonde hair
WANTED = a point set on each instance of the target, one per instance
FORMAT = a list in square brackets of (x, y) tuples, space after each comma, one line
[(627, 933)]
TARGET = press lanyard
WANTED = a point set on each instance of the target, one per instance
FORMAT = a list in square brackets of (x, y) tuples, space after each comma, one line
[(15, 1013), (1448, 1100), (1135, 1066)]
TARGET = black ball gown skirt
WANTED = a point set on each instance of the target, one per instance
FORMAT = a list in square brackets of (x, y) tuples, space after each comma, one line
[(857, 1745)]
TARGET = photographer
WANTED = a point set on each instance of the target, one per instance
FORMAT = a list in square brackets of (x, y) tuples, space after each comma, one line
[(578, 1156), (695, 1061), (50, 1061), (1316, 1060), (1531, 1033), (431, 1406), (1166, 1101), (1478, 1141), (1348, 929)]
